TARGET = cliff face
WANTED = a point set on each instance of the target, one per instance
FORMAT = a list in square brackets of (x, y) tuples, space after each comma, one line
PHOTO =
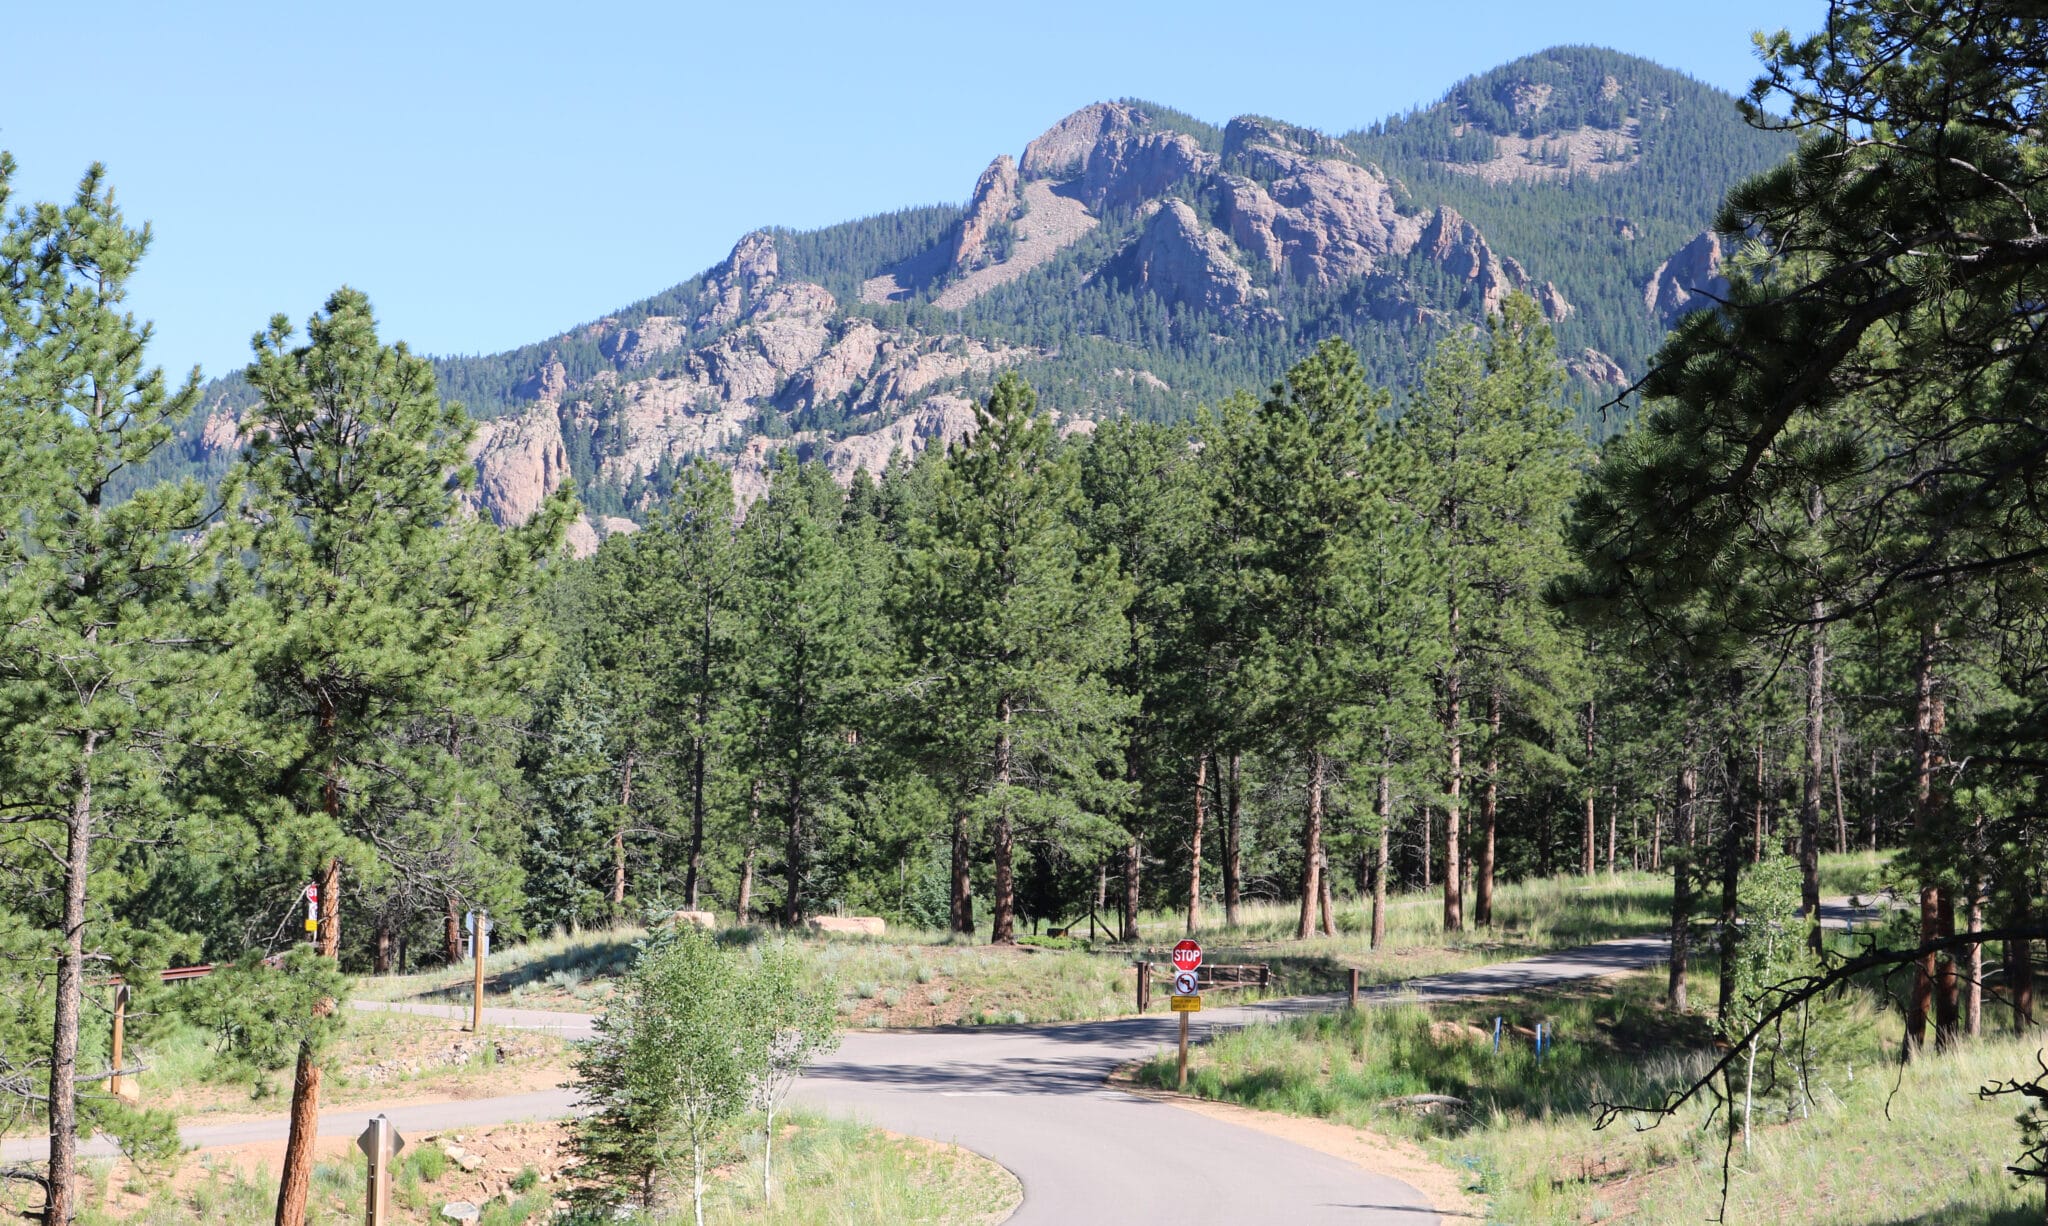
[(1689, 280)]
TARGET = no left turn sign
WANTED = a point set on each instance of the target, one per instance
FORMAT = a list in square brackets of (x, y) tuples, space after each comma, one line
[(1186, 983)]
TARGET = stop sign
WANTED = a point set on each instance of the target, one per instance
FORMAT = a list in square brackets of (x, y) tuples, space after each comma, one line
[(1187, 955)]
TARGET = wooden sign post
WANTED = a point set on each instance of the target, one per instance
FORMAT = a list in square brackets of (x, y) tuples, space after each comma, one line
[(380, 1143), (120, 1026), (480, 945), (1187, 983)]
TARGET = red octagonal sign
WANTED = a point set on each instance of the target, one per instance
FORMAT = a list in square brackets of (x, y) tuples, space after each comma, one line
[(1187, 955)]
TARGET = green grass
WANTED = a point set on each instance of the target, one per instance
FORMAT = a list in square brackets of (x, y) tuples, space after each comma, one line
[(1525, 1138), (890, 980), (826, 1172)]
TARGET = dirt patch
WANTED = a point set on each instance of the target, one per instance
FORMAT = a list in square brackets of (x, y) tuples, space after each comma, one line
[(1368, 1151)]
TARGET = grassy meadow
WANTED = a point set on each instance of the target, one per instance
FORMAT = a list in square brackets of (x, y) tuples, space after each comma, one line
[(1866, 1144)]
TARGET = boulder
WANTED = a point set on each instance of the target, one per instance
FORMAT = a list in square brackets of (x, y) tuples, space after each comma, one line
[(861, 925), (460, 1211)]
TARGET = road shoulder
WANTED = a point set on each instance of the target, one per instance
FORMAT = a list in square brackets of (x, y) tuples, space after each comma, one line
[(1372, 1152)]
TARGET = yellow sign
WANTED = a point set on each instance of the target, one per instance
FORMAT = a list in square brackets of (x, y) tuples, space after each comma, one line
[(1187, 1004), (311, 926)]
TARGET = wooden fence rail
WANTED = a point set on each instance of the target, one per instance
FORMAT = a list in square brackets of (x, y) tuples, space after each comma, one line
[(1222, 977)]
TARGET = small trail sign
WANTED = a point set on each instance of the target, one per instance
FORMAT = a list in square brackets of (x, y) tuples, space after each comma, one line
[(1187, 1004), (313, 907), (1187, 956)]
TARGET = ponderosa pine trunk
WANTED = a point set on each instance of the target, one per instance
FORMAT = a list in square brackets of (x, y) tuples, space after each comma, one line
[(793, 852), (1586, 860), (1454, 902), (2019, 962), (1380, 865), (1733, 854), (619, 839), (1328, 905), (1613, 816), (1195, 844), (1233, 861), (1809, 797), (1489, 802), (1841, 815), (296, 1182), (1684, 833), (1920, 1001), (1311, 847), (1134, 865), (960, 908), (451, 930), (1002, 907), (59, 1205), (1973, 980)]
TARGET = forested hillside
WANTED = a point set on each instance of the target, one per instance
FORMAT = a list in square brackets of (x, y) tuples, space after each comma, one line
[(1133, 260)]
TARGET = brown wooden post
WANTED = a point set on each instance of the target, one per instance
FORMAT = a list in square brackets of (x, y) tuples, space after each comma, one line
[(1183, 1052), (120, 1025), (1144, 986), (479, 944), (1263, 971), (1354, 987)]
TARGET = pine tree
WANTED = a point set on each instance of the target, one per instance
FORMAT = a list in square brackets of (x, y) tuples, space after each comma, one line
[(379, 615), (1009, 633), (803, 659), (1312, 506), (1495, 459), (109, 653)]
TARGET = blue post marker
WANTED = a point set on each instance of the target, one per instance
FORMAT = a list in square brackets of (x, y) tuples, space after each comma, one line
[(1496, 1036), (1539, 1042)]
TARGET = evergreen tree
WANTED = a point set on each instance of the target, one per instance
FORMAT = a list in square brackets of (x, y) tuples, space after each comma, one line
[(1494, 461), (1009, 633), (109, 656), (804, 659), (379, 615), (1310, 499)]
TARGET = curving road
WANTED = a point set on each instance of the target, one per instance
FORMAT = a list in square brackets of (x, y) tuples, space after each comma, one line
[(1034, 1099)]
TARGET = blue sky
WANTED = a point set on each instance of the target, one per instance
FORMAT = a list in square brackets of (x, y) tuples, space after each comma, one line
[(493, 174)]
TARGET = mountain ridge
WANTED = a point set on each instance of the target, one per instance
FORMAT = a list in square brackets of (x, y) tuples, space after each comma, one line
[(1130, 259)]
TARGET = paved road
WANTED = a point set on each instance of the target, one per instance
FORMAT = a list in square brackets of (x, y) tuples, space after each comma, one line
[(1034, 1099)]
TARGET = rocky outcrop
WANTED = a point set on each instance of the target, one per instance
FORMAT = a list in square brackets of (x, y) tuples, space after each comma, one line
[(1596, 367), (1457, 246), (1248, 131), (519, 462), (1062, 150), (1125, 173), (1319, 220), (650, 338), (1187, 263), (221, 433), (1462, 251), (1111, 157), (734, 287), (998, 197), (1689, 280), (582, 539)]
